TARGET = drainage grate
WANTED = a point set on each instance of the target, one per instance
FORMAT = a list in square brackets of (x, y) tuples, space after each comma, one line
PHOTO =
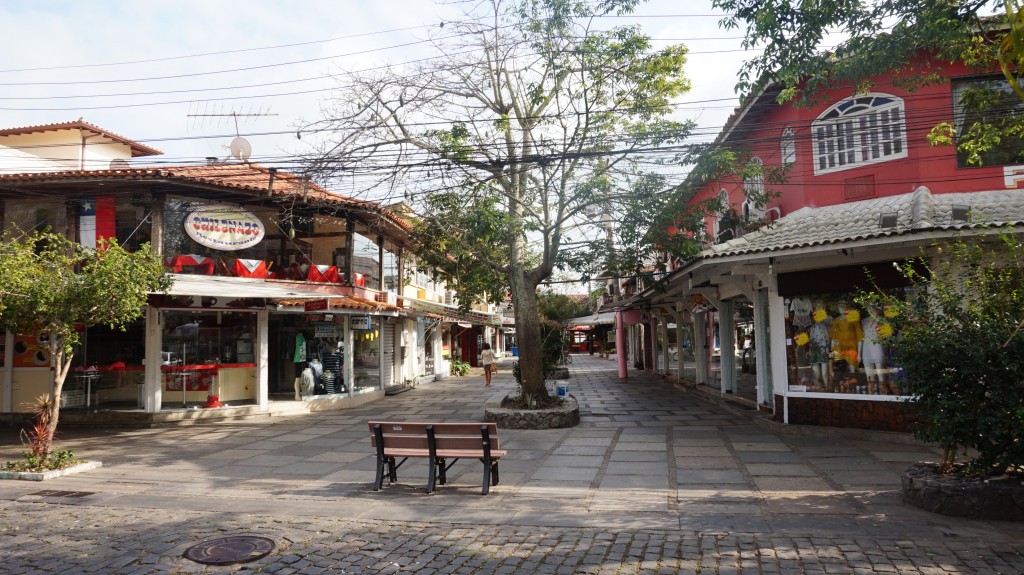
[(52, 493), (230, 550)]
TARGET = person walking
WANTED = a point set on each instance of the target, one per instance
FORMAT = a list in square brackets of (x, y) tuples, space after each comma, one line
[(487, 359)]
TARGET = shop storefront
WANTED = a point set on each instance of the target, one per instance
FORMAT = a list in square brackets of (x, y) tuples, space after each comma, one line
[(207, 353), (836, 345)]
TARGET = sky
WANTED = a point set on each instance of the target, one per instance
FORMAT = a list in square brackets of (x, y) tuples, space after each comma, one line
[(187, 77)]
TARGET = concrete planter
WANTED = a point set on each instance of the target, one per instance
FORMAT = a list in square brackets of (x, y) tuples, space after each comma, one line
[(999, 499), (44, 475), (565, 415)]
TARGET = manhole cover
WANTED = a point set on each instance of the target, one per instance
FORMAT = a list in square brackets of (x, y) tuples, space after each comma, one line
[(230, 550), (52, 493)]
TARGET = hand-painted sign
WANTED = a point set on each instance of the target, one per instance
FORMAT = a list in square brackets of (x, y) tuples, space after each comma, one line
[(315, 305), (224, 228)]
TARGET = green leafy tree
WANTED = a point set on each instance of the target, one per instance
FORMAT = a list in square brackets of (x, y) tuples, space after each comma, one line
[(561, 307), (961, 342), (52, 286), (511, 143)]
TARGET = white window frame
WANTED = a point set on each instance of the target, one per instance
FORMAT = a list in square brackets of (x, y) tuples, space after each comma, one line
[(787, 146), (859, 131)]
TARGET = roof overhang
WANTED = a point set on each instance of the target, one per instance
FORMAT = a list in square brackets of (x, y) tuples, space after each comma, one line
[(289, 296), (448, 313)]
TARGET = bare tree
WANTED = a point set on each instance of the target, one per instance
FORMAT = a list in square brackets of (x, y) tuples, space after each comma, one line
[(526, 116)]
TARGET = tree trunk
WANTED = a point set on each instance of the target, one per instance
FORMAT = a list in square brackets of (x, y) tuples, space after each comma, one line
[(528, 335), (60, 364)]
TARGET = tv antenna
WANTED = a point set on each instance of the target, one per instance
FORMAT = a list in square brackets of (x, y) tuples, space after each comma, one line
[(239, 148)]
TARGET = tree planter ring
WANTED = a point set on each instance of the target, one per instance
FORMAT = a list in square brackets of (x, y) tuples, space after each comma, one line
[(974, 498)]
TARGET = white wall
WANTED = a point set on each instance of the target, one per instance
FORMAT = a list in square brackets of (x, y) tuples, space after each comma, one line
[(58, 151)]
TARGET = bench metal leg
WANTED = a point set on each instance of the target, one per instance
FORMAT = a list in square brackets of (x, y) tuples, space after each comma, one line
[(392, 472), (490, 475), (432, 478), (378, 482), (442, 472)]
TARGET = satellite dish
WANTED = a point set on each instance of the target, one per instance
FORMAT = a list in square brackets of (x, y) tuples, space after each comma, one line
[(119, 164), (241, 149)]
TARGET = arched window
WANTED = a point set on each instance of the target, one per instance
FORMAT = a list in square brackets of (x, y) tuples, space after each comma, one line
[(787, 145), (859, 131), (753, 191)]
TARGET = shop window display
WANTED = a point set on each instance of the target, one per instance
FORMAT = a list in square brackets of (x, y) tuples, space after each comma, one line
[(208, 353), (366, 354), (837, 346), (108, 366), (319, 352)]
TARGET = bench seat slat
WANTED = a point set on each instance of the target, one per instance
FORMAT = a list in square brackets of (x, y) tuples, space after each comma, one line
[(468, 453)]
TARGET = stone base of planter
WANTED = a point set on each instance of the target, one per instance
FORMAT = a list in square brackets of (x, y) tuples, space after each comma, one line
[(566, 415), (559, 373), (999, 499), (44, 475)]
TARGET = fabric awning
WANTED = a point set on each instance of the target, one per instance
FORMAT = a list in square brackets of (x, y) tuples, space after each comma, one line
[(605, 318), (288, 294)]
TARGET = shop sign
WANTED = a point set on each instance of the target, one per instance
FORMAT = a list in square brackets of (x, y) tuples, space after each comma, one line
[(315, 305), (325, 329), (360, 322), (224, 228)]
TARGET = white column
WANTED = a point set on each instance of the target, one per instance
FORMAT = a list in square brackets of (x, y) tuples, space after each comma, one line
[(663, 331), (727, 353), (348, 356), (777, 333), (679, 345), (762, 346), (263, 360), (700, 345), (152, 387)]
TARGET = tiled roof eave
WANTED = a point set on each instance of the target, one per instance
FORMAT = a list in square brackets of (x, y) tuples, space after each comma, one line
[(181, 176)]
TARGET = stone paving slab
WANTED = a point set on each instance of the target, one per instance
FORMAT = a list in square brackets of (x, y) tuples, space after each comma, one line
[(664, 482)]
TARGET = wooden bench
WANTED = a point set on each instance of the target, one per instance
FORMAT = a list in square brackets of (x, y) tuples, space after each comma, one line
[(396, 442)]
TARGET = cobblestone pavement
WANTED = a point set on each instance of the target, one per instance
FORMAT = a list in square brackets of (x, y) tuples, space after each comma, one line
[(655, 480)]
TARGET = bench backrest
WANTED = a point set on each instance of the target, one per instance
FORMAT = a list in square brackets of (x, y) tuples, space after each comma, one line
[(413, 435)]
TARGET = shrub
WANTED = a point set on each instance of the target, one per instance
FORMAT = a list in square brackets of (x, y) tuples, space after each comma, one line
[(962, 347), (458, 368)]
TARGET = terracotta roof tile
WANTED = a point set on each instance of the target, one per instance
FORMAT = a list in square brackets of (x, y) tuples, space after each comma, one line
[(249, 177)]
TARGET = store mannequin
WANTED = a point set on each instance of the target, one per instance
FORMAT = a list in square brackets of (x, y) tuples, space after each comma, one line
[(846, 330), (307, 382), (872, 353), (318, 372), (332, 365), (820, 345)]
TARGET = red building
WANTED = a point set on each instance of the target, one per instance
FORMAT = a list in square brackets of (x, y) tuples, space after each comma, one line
[(863, 189)]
